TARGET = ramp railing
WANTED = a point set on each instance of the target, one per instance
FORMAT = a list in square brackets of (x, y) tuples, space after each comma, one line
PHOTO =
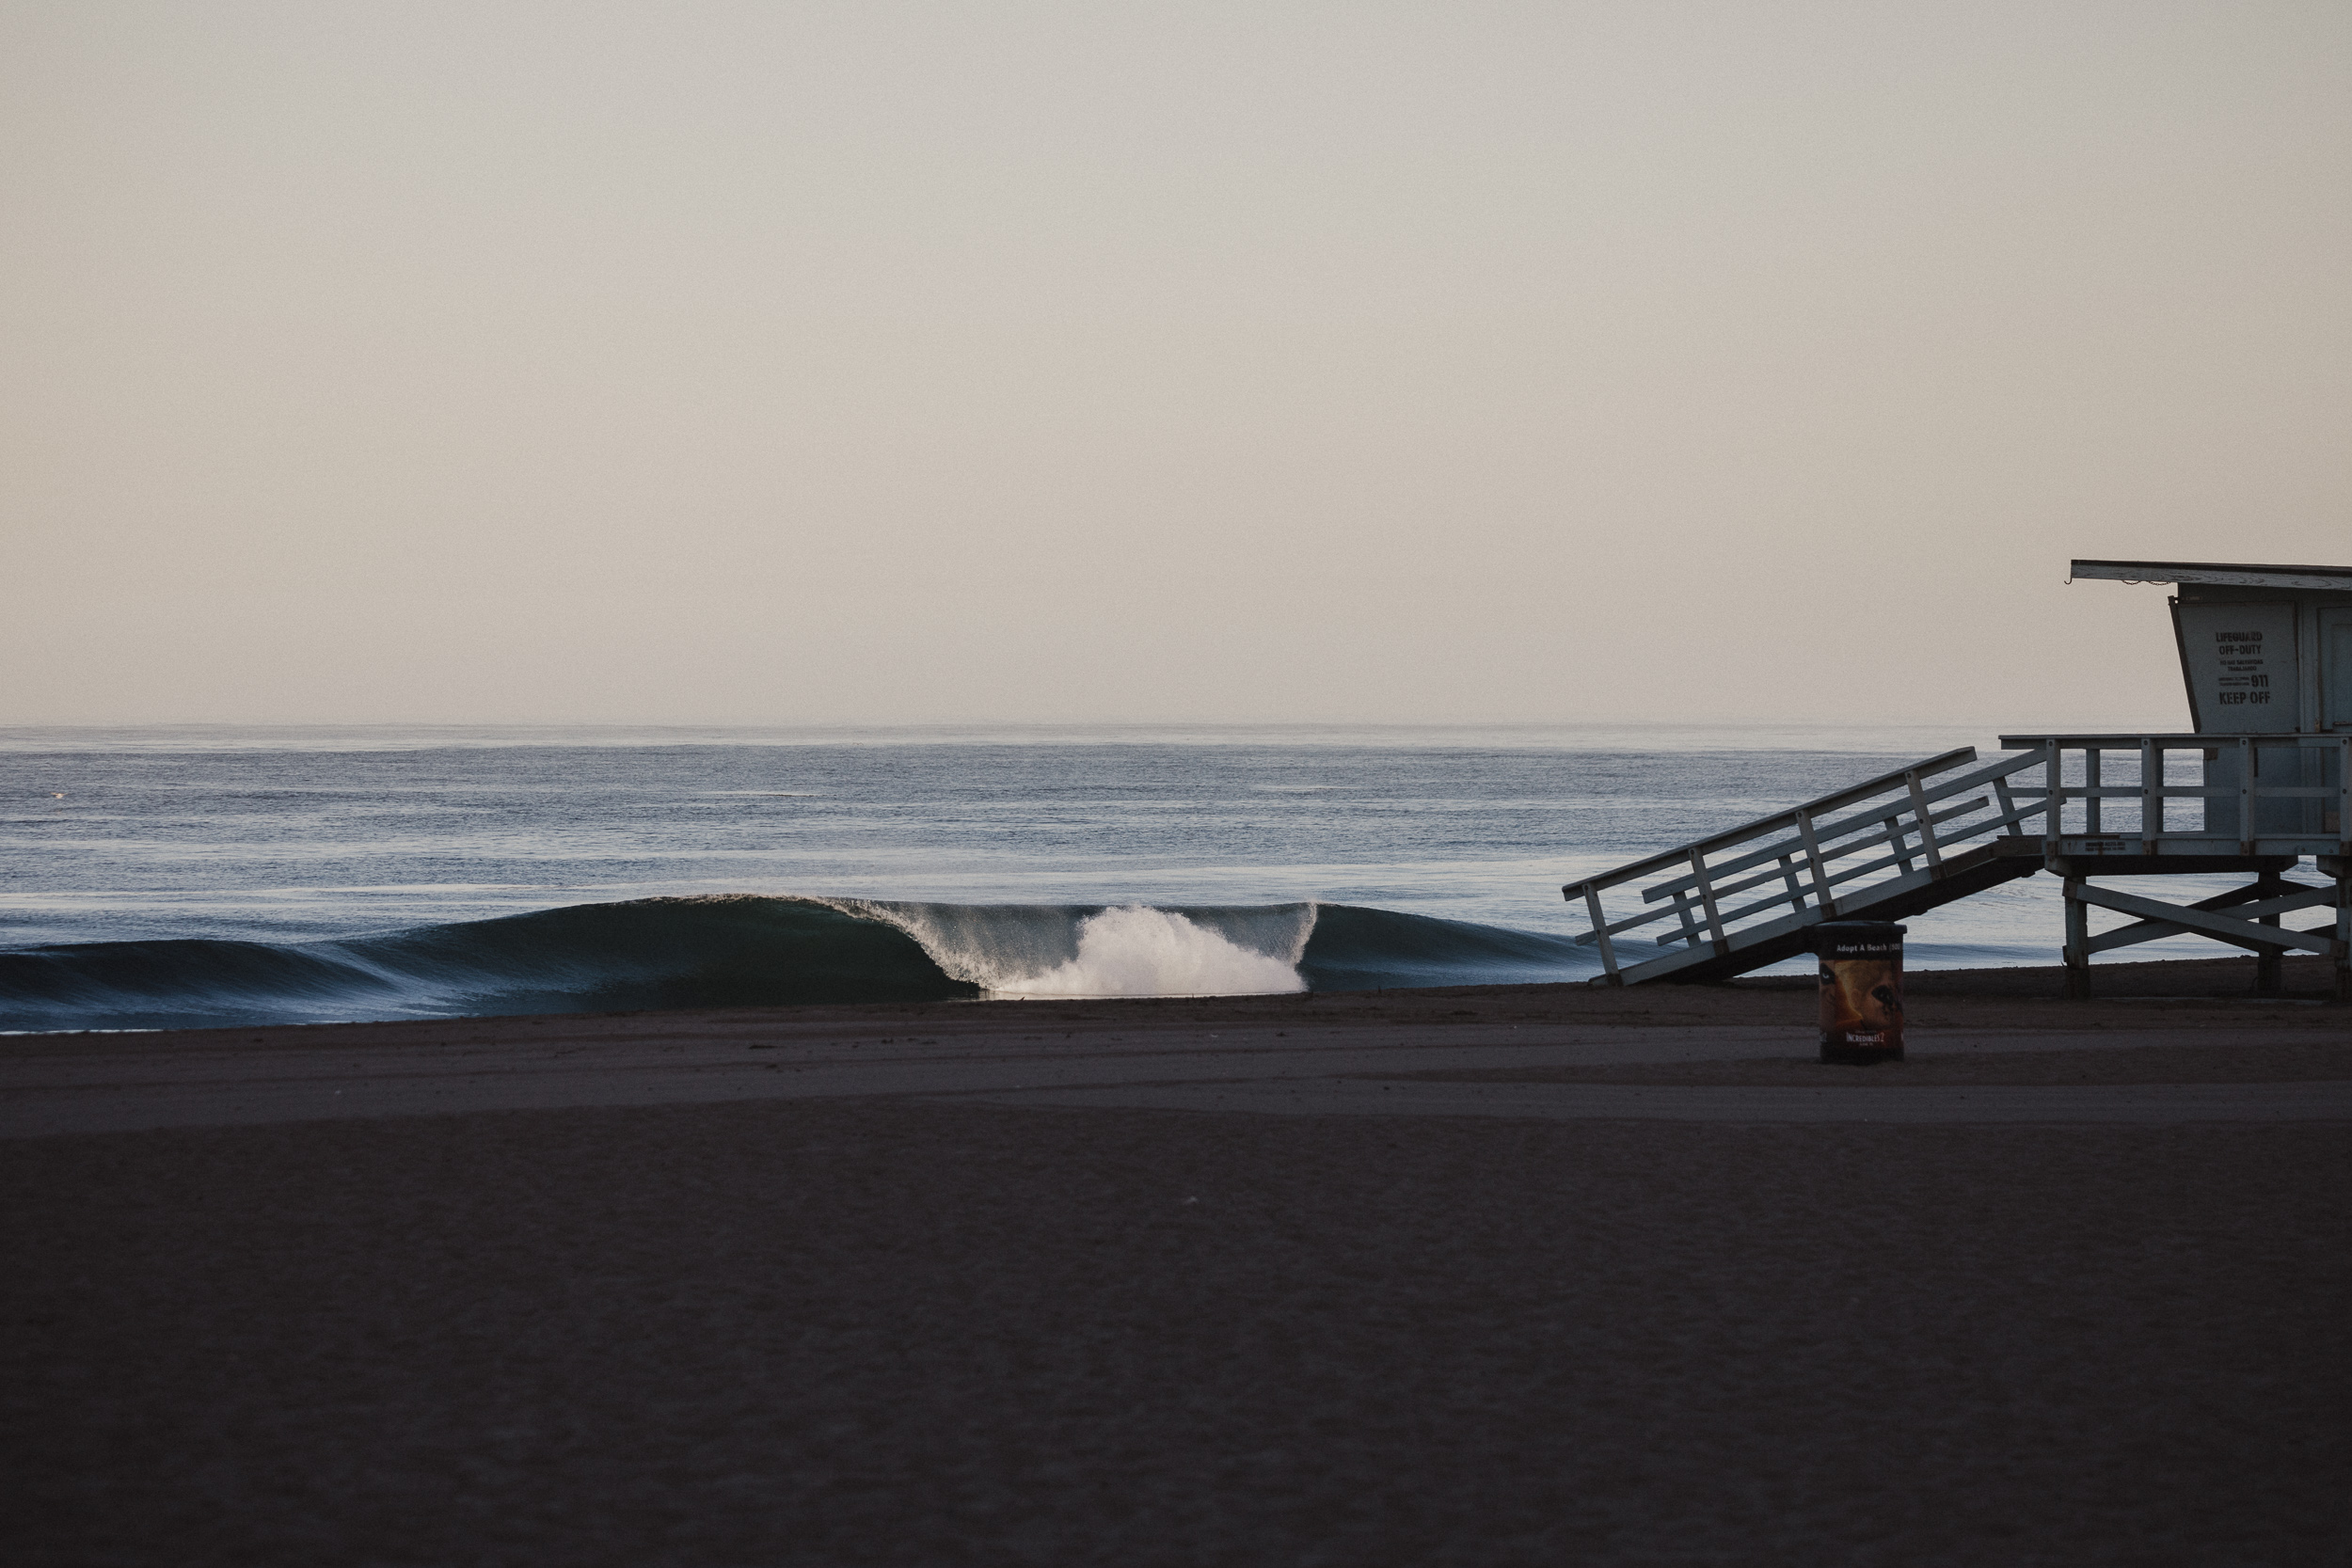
[(1827, 859), (2261, 794)]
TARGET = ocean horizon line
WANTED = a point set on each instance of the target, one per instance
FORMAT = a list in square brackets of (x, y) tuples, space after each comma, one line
[(1662, 733)]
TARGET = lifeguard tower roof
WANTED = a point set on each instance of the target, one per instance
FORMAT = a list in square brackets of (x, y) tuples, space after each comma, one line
[(2227, 573)]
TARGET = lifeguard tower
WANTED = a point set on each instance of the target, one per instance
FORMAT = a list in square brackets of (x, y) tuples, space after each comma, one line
[(2260, 782)]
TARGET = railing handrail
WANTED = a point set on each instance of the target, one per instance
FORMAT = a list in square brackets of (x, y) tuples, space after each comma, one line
[(2154, 790), (1879, 833), (1942, 790), (1802, 848), (1884, 784), (2169, 740)]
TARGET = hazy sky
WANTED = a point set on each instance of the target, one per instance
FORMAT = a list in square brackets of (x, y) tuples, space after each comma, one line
[(874, 362)]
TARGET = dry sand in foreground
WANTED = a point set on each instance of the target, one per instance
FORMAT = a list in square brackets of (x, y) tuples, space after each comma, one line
[(861, 1332)]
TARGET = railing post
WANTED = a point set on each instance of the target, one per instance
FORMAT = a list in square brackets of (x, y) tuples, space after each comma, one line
[(1600, 933), (1707, 896), (1927, 828), (2093, 825), (1821, 896), (2310, 767), (2054, 797), (2151, 796)]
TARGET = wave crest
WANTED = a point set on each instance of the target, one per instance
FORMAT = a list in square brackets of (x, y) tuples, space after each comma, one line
[(744, 950), (1139, 951), (1012, 950)]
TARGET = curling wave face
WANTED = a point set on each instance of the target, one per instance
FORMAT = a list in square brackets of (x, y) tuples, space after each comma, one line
[(744, 950)]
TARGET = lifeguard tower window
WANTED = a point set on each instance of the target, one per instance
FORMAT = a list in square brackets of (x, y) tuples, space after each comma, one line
[(2238, 658)]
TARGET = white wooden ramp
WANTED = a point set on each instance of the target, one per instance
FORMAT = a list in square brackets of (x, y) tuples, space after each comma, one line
[(1892, 847)]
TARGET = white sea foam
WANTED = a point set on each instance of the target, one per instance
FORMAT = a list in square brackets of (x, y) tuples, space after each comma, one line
[(1129, 950), (1139, 951)]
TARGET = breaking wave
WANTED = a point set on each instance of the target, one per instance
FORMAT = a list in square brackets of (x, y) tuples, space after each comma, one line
[(743, 950)]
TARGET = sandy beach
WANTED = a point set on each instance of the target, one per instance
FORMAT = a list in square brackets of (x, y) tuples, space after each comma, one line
[(1512, 1274)]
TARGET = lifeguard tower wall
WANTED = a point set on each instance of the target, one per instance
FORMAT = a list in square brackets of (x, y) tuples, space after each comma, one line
[(2257, 785)]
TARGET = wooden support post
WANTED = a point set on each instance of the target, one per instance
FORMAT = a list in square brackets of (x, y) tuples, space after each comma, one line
[(2344, 797), (1796, 888), (2344, 869), (2245, 762), (2151, 797), (2344, 929), (2092, 826), (1600, 928), (2269, 962), (2077, 942)]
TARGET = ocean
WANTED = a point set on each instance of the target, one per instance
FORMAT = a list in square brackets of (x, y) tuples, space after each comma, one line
[(188, 876)]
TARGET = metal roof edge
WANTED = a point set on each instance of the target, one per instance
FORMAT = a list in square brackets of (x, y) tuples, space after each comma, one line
[(2336, 579)]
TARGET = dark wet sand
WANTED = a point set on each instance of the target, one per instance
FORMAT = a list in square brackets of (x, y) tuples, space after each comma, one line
[(2323, 1060), (907, 1330)]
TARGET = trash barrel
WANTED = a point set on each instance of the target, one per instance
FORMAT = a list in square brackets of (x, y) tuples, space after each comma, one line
[(1862, 989)]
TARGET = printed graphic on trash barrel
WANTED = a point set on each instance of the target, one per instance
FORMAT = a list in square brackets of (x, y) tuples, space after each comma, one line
[(1862, 989)]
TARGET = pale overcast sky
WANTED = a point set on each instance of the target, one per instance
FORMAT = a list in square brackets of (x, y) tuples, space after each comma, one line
[(886, 363)]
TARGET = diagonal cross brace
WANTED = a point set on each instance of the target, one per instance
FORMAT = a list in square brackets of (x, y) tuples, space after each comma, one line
[(2239, 903), (2228, 928)]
